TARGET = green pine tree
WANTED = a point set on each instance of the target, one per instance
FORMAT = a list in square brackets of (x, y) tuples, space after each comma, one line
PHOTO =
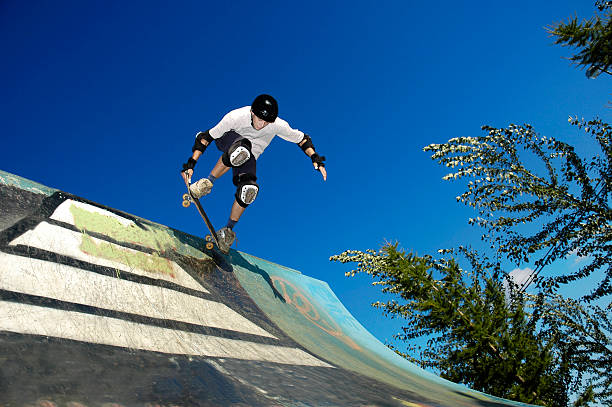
[(592, 38), (477, 335)]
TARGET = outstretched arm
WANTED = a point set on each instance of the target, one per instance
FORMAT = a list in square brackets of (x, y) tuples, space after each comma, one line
[(317, 161)]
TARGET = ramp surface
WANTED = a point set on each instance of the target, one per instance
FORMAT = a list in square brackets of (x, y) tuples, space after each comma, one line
[(102, 308)]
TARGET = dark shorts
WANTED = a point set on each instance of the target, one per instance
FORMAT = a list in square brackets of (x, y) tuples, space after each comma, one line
[(249, 168)]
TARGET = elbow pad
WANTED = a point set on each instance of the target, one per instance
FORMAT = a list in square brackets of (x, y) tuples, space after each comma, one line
[(307, 144), (197, 145)]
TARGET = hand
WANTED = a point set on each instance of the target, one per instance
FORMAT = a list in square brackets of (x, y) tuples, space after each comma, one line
[(187, 174), (319, 164), (187, 171), (322, 169)]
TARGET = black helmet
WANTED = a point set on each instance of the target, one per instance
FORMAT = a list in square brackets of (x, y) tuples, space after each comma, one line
[(265, 107)]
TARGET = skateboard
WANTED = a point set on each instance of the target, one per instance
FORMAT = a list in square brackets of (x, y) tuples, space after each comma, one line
[(188, 198)]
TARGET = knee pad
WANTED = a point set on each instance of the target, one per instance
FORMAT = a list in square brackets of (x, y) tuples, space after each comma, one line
[(246, 191), (238, 153)]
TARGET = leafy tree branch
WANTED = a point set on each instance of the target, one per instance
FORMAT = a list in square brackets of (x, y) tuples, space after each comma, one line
[(592, 38), (567, 203)]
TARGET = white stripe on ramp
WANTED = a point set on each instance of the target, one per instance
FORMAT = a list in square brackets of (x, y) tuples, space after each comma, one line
[(62, 213), (35, 320), (68, 243), (71, 284)]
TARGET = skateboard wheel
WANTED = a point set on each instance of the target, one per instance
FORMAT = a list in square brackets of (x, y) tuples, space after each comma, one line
[(208, 238), (209, 245), (186, 197), (186, 204)]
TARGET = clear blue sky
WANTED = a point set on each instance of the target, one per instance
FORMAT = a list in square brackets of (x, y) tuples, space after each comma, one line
[(103, 98)]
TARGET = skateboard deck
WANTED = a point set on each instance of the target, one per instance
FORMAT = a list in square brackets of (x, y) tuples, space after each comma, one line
[(188, 198)]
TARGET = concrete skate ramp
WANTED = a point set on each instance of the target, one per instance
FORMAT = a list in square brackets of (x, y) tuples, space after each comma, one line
[(102, 308)]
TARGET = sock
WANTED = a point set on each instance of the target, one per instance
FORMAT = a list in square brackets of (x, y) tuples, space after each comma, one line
[(212, 178), (231, 223)]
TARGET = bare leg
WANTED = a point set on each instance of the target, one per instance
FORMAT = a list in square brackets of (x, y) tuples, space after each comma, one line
[(219, 169), (237, 211)]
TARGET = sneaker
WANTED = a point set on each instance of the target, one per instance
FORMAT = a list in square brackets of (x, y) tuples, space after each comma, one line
[(226, 237), (201, 188)]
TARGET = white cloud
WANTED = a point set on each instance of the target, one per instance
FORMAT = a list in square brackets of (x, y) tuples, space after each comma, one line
[(520, 276), (578, 259)]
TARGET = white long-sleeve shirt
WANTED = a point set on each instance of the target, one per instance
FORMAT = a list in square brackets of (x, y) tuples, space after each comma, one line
[(239, 120)]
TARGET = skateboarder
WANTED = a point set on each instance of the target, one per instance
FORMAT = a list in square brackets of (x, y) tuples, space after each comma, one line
[(242, 135)]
